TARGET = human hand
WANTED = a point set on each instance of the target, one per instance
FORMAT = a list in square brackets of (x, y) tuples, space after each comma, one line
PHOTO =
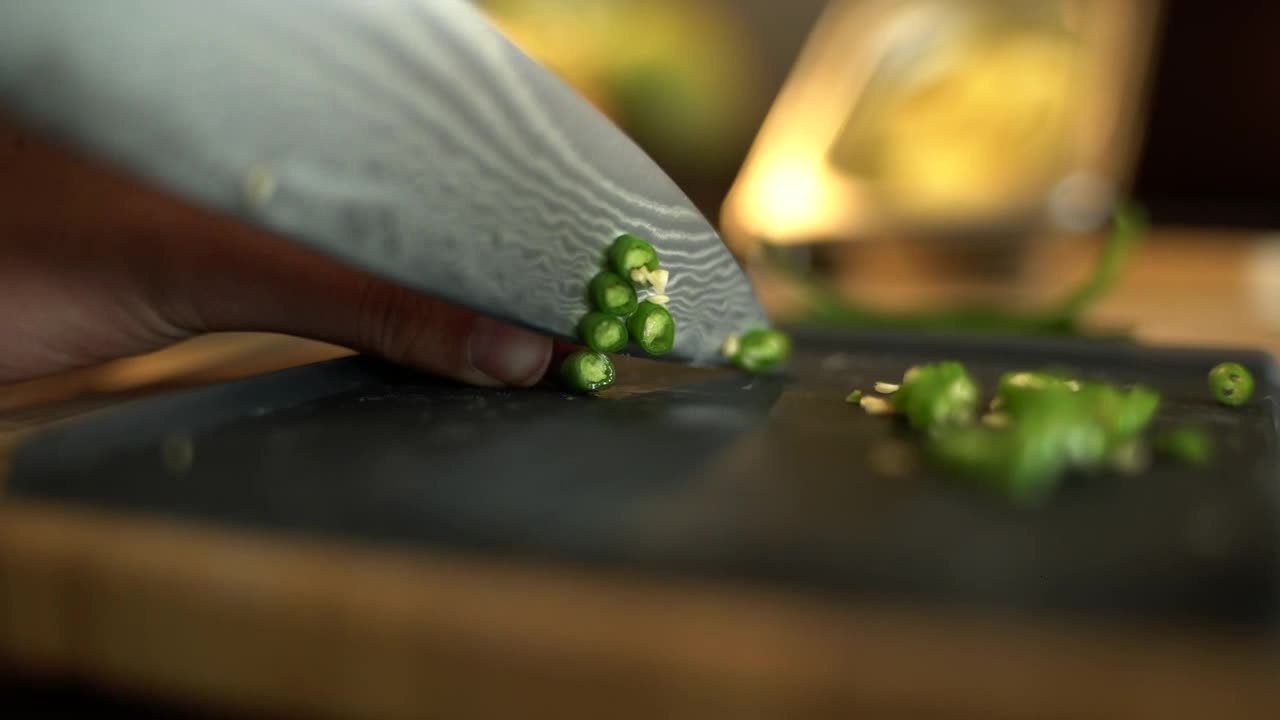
[(95, 265)]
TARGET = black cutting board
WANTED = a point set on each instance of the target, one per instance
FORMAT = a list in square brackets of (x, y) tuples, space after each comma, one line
[(710, 473)]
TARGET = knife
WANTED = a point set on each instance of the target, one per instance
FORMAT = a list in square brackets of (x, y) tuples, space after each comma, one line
[(408, 138)]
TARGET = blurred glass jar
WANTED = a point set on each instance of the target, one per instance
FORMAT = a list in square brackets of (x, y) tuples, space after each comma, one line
[(982, 121)]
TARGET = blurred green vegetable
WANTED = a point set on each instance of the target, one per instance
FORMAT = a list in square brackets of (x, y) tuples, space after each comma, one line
[(761, 349), (587, 371), (1054, 428), (827, 307), (1123, 413), (1231, 383), (1044, 425), (1016, 388), (938, 394), (1186, 444), (1025, 460)]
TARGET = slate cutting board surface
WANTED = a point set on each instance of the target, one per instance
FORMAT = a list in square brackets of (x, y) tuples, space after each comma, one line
[(708, 473)]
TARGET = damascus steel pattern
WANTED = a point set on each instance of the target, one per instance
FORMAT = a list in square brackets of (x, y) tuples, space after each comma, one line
[(406, 137)]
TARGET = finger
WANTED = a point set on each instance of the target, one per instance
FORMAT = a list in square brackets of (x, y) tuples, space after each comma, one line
[(257, 282), (117, 267)]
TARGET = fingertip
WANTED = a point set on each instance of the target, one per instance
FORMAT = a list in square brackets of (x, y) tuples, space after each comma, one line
[(509, 355)]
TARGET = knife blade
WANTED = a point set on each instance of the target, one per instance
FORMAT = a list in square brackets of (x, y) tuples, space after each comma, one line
[(408, 138)]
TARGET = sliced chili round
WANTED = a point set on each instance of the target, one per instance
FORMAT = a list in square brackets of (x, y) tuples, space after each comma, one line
[(603, 332), (653, 328), (630, 252), (612, 294), (587, 371), (1231, 383), (762, 349)]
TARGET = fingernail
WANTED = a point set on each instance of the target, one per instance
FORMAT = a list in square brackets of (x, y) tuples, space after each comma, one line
[(510, 355)]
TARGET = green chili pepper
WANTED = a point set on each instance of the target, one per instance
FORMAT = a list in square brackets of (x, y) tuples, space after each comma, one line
[(587, 371), (938, 394), (762, 349), (854, 397), (826, 306), (612, 294), (1050, 424), (1026, 459), (1032, 381), (1069, 421), (1186, 444), (603, 332), (1130, 457), (1022, 465), (653, 328), (1093, 419), (1231, 383), (1015, 388), (1123, 413), (630, 252)]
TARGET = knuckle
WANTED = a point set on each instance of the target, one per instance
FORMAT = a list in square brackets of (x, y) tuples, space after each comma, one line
[(407, 328), (383, 309)]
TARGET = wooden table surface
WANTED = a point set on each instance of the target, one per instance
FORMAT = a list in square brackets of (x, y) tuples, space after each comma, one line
[(266, 624)]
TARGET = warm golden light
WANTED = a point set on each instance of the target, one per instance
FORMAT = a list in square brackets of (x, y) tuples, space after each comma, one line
[(940, 115), (976, 126), (787, 196)]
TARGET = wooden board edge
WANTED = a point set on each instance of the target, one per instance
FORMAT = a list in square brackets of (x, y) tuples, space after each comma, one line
[(294, 625)]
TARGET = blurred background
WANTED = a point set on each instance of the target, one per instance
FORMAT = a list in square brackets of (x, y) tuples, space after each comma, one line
[(899, 156), (951, 108)]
